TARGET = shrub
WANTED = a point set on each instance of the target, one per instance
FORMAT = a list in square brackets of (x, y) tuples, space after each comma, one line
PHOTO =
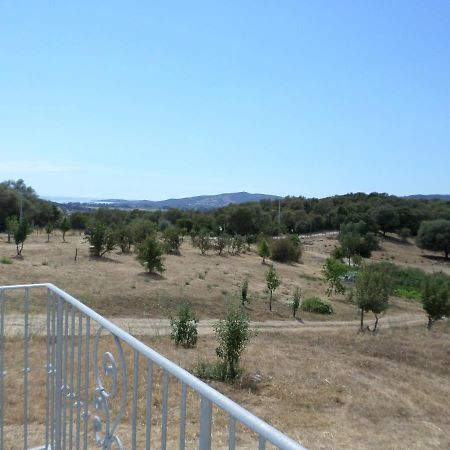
[(410, 293), (244, 291), (101, 239), (172, 240), (286, 249), (184, 328), (263, 249), (436, 297), (295, 302), (273, 281), (333, 271), (316, 305), (6, 260), (233, 333), (149, 254), (201, 240)]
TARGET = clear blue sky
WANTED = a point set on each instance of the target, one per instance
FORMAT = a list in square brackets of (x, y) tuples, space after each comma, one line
[(158, 99)]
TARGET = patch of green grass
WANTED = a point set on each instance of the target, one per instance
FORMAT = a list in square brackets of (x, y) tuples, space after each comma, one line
[(44, 263), (405, 292), (6, 260), (202, 275), (316, 305)]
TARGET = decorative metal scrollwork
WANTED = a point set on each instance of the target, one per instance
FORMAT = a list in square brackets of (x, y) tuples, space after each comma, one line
[(107, 438)]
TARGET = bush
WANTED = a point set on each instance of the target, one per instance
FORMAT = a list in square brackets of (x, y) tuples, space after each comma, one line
[(6, 260), (172, 240), (286, 249), (101, 240), (233, 333), (316, 305), (150, 255), (184, 328), (410, 293)]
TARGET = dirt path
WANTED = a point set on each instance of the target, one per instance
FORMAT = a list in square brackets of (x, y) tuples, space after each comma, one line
[(14, 325)]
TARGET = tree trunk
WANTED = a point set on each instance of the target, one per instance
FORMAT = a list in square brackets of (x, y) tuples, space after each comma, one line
[(362, 319), (446, 255), (270, 301), (9, 238), (430, 323), (48, 237), (376, 324)]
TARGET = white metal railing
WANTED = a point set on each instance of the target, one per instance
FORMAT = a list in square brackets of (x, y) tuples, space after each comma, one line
[(105, 396)]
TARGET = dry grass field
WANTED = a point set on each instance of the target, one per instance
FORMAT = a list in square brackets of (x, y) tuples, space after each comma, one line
[(328, 387)]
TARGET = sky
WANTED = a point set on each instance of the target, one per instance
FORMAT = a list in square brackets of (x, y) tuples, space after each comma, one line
[(158, 99)]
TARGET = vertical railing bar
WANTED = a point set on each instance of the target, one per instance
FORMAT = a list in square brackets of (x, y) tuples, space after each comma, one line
[(182, 443), (262, 443), (205, 424), (58, 385), (72, 369), (65, 390), (2, 323), (25, 369), (149, 405), (86, 381), (52, 378), (78, 395), (135, 398), (164, 410), (232, 434), (48, 368)]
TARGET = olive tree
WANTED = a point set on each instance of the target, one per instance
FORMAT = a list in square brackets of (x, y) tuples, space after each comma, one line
[(436, 297), (263, 249), (333, 270), (372, 291), (435, 235), (20, 235), (64, 227), (149, 254), (273, 281), (101, 239)]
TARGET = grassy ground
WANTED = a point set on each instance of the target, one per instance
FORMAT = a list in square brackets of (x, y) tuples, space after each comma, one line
[(339, 389), (331, 388), (118, 286)]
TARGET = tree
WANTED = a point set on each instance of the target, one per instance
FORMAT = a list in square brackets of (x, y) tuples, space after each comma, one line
[(233, 333), (387, 218), (244, 291), (65, 227), (149, 254), (286, 249), (20, 235), (201, 240), (404, 234), (295, 302), (172, 240), (372, 292), (48, 230), (436, 297), (273, 281), (101, 240), (11, 226), (124, 237), (435, 235), (184, 328), (333, 271), (263, 249), (221, 242)]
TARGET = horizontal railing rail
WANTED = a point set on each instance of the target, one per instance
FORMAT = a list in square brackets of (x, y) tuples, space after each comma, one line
[(89, 386)]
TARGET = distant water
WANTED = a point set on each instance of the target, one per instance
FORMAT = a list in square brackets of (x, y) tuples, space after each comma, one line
[(58, 199)]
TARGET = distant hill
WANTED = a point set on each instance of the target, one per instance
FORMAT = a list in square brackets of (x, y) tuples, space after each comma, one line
[(201, 202), (445, 198)]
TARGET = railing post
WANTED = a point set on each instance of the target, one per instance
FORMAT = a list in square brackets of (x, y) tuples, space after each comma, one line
[(205, 424), (58, 374)]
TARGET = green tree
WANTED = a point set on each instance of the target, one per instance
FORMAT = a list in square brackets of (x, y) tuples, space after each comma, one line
[(101, 239), (295, 302), (244, 291), (20, 235), (435, 235), (124, 237), (333, 271), (404, 234), (436, 297), (48, 229), (11, 226), (273, 281), (387, 218), (149, 254), (184, 327), (172, 240), (263, 249), (233, 334), (64, 227), (201, 240), (372, 291), (220, 243)]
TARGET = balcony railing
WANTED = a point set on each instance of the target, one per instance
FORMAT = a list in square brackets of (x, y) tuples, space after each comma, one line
[(71, 379)]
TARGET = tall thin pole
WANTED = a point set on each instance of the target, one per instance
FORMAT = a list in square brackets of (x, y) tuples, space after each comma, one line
[(279, 212)]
